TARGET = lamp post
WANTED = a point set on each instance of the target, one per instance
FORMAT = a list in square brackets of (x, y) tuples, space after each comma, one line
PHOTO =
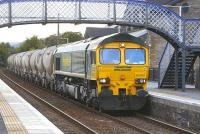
[(58, 30)]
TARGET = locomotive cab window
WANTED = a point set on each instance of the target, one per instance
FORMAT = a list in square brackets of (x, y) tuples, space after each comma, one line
[(109, 56), (135, 56)]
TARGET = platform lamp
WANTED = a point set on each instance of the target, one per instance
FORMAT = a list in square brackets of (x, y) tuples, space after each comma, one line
[(58, 30)]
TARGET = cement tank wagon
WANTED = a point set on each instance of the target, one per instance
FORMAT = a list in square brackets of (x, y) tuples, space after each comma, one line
[(18, 62), (33, 62), (39, 61), (48, 60), (26, 62)]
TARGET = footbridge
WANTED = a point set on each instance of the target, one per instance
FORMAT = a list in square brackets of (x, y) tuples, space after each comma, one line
[(183, 34)]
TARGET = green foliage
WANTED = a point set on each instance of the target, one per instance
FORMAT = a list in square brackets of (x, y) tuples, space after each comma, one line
[(36, 43), (66, 37), (51, 40), (71, 37), (5, 51), (31, 44)]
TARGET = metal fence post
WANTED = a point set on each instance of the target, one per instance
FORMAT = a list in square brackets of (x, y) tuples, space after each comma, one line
[(159, 80), (79, 10), (176, 68), (183, 57), (114, 12), (45, 12), (10, 13), (146, 15), (183, 68)]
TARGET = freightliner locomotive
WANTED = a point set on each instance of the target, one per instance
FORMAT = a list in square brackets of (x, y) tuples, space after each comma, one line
[(109, 73)]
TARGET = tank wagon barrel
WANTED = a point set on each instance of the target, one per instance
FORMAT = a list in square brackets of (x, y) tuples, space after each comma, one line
[(107, 72), (18, 63), (39, 61), (48, 61), (26, 64)]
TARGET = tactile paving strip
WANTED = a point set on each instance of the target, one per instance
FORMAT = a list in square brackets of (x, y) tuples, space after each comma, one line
[(11, 121), (20, 117)]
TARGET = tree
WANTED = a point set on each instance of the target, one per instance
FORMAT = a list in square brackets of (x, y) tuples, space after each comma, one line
[(51, 40), (66, 37), (5, 51), (31, 44), (70, 37)]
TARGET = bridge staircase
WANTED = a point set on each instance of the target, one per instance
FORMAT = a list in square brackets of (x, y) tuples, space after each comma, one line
[(170, 73)]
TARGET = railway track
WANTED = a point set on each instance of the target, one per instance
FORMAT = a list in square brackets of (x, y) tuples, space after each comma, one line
[(147, 125), (140, 125), (164, 124), (122, 126), (62, 113), (150, 124)]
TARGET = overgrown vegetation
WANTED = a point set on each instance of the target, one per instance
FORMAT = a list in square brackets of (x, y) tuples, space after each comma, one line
[(5, 51), (31, 44), (35, 43)]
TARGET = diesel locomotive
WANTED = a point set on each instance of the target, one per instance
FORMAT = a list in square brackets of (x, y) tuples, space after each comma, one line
[(109, 72)]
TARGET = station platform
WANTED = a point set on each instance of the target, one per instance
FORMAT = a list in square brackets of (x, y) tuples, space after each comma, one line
[(175, 106), (18, 116), (189, 96)]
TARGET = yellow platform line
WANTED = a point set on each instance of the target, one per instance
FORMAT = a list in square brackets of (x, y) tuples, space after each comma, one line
[(11, 121)]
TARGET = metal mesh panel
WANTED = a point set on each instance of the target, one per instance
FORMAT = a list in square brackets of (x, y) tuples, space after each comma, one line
[(135, 13), (4, 14), (192, 33), (166, 21), (129, 12), (65, 10), (27, 11), (96, 11), (120, 10)]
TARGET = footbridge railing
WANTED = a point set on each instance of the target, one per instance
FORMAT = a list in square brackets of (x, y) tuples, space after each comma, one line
[(178, 31)]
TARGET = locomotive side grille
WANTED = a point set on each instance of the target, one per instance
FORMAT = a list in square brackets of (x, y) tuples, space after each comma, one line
[(57, 63)]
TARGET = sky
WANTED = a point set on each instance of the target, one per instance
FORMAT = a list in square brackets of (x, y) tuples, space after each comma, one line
[(20, 33)]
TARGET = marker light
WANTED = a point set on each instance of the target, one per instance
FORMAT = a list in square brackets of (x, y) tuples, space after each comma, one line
[(140, 81), (104, 80)]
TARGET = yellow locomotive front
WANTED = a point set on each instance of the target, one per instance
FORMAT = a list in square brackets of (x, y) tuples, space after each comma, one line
[(122, 70)]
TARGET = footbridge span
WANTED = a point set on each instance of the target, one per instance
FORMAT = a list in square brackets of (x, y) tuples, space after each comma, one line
[(183, 34)]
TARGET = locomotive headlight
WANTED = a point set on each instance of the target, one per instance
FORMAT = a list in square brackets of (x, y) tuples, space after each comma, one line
[(104, 80), (122, 45), (140, 81)]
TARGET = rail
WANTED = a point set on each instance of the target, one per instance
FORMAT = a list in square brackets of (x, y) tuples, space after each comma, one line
[(64, 114), (164, 124), (140, 129), (88, 129)]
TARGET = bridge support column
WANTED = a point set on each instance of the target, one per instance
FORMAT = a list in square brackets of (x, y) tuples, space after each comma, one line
[(197, 72), (176, 69), (183, 68), (10, 13)]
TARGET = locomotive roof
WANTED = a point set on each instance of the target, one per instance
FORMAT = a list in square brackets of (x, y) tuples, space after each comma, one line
[(122, 37), (95, 42)]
